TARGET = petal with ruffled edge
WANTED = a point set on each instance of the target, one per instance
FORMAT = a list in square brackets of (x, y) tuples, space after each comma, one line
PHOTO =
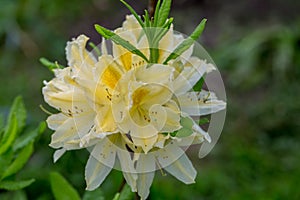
[(78, 57)]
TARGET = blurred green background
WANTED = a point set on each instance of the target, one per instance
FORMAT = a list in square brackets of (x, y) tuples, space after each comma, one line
[(256, 46)]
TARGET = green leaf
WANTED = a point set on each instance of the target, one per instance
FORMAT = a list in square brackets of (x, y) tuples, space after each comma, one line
[(156, 13), (186, 130), (198, 86), (117, 196), (146, 19), (26, 138), (95, 194), (9, 134), (15, 185), (203, 121), (13, 195), (50, 65), (134, 13), (163, 13), (18, 108), (19, 162), (126, 193), (5, 160), (61, 189), (120, 41), (2, 120), (187, 43)]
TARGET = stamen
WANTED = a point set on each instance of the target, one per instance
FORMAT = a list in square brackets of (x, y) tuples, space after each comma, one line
[(45, 110)]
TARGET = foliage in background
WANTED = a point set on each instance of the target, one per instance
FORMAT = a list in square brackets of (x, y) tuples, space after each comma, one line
[(257, 156), (16, 146)]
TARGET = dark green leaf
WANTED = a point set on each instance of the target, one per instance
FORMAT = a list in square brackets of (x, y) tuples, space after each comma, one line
[(120, 41), (26, 138), (198, 86), (61, 189), (9, 134), (19, 162), (18, 108), (126, 193), (95, 194), (13, 195), (203, 121), (134, 13), (5, 160), (50, 65), (15, 185), (163, 12), (187, 43), (2, 120)]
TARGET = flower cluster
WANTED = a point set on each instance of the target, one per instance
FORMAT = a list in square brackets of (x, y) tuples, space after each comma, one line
[(131, 114)]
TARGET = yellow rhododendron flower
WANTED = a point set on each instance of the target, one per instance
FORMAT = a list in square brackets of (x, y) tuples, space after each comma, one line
[(121, 107)]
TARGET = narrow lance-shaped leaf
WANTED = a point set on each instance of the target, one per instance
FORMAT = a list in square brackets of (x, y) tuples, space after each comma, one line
[(15, 185), (19, 162), (134, 13), (120, 41), (198, 86), (187, 43), (18, 109), (9, 135), (163, 12), (26, 138), (61, 189), (156, 13)]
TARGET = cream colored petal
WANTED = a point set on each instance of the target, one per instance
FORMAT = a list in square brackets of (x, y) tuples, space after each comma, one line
[(145, 165), (173, 159), (76, 53), (103, 47), (166, 45), (157, 73), (203, 103), (169, 154), (58, 153), (100, 163), (56, 120), (161, 140), (193, 70), (105, 120), (182, 169), (132, 25), (144, 137), (158, 116), (95, 173), (173, 117), (128, 169), (71, 129)]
